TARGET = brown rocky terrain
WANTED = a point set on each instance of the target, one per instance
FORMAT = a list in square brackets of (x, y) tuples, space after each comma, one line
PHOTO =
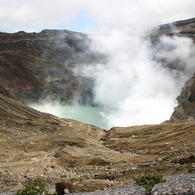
[(36, 144), (184, 28)]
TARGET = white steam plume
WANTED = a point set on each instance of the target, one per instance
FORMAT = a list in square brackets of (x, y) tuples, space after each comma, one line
[(133, 87)]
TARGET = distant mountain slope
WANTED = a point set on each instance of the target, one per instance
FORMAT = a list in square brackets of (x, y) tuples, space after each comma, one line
[(184, 28)]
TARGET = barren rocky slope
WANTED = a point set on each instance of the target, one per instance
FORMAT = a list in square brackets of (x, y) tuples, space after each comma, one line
[(35, 144), (183, 28)]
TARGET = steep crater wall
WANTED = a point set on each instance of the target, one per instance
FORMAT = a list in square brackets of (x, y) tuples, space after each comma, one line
[(37, 65)]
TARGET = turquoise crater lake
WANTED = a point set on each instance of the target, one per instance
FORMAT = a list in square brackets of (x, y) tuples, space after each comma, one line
[(86, 114)]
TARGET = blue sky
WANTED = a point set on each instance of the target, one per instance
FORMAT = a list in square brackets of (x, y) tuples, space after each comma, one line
[(81, 23), (90, 15)]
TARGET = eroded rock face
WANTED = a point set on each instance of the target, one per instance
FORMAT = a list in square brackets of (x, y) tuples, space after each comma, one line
[(185, 111), (183, 28), (37, 65)]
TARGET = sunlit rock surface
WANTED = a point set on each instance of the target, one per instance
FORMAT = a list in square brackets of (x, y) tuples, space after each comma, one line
[(183, 28)]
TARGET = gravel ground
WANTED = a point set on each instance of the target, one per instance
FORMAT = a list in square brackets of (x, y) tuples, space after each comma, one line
[(175, 185), (130, 190)]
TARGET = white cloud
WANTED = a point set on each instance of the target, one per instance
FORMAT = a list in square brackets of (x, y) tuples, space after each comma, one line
[(40, 14), (133, 87)]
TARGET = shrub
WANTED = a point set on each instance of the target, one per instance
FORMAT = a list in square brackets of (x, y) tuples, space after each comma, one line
[(36, 187), (149, 180)]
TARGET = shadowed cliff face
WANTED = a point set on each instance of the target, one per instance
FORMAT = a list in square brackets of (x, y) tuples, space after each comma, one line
[(185, 111), (35, 65)]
